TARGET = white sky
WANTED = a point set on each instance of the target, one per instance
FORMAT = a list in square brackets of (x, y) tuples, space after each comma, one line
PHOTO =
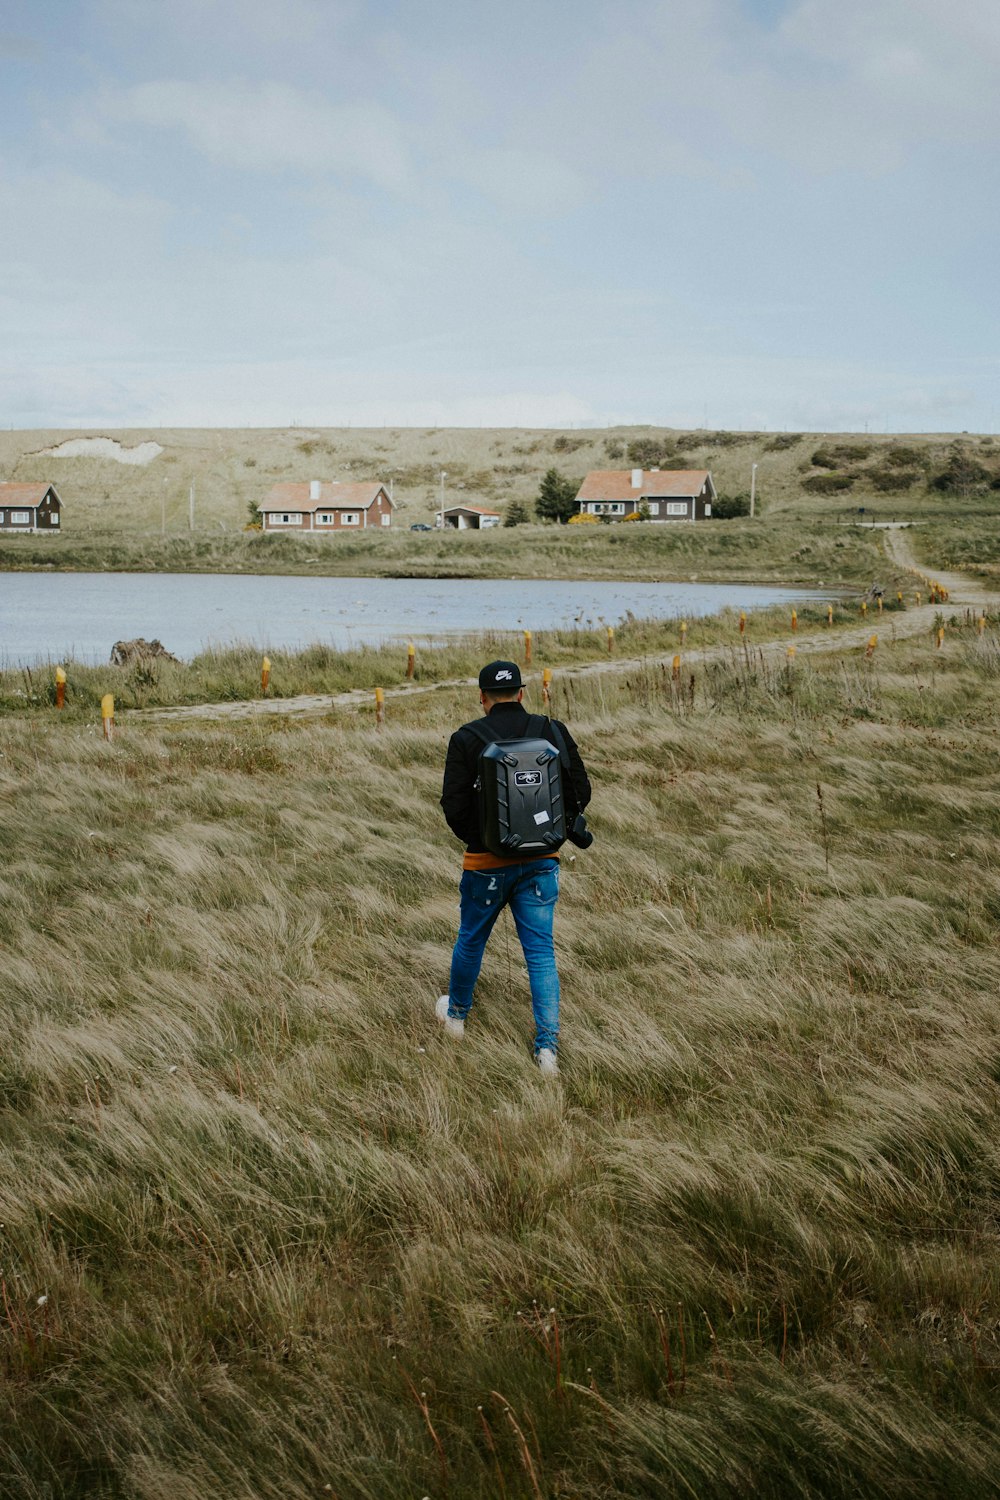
[(746, 213)]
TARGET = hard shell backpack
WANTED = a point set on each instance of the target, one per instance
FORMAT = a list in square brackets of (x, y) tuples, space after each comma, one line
[(522, 807)]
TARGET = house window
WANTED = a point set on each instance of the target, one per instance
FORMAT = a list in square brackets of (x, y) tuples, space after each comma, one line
[(677, 508), (325, 518), (20, 517), (349, 518), (54, 518), (387, 519), (708, 511), (287, 518)]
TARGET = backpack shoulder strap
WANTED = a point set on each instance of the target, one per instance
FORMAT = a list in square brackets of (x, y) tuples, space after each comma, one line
[(483, 732), (554, 734)]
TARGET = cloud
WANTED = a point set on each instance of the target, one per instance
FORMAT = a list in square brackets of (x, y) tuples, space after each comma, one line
[(272, 127)]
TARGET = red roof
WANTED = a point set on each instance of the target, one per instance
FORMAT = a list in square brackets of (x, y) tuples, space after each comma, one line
[(24, 494), (332, 496), (616, 484)]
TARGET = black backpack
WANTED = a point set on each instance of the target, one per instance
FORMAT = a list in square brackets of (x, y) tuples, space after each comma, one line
[(522, 805)]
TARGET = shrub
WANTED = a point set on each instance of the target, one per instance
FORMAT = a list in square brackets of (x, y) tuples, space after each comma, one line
[(828, 484), (840, 453), (780, 442), (905, 458), (647, 453), (726, 507), (255, 518), (962, 475), (564, 444), (891, 481), (584, 518), (615, 449)]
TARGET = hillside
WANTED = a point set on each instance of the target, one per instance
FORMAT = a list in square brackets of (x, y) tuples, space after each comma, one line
[(807, 473)]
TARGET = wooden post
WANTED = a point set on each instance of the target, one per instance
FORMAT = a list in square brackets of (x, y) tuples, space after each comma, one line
[(743, 622), (940, 636), (675, 674), (870, 648), (795, 620), (684, 631), (527, 648), (611, 640), (829, 614), (379, 707), (108, 715), (411, 658), (981, 624), (265, 674), (547, 687), (61, 686)]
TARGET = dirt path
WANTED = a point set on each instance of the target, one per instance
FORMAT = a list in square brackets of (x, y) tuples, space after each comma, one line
[(964, 593)]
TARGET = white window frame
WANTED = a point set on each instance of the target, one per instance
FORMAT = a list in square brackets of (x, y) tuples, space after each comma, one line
[(350, 518), (286, 518), (386, 518), (677, 508), (20, 518), (54, 518), (324, 518)]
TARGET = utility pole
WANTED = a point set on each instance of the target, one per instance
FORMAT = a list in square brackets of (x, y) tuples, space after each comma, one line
[(191, 507), (753, 488), (444, 476), (163, 509)]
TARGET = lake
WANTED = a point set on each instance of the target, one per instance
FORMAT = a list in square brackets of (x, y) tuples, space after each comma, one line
[(54, 616)]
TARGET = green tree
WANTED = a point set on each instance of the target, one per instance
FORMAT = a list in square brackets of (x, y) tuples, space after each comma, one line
[(556, 499), (517, 514), (253, 513)]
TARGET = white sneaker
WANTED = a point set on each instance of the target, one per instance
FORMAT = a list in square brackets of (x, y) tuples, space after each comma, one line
[(453, 1025), (547, 1061)]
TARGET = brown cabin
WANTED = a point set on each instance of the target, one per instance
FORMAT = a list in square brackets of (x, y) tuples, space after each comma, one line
[(29, 508), (667, 494)]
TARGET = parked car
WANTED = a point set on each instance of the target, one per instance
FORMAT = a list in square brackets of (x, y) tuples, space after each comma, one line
[(421, 526)]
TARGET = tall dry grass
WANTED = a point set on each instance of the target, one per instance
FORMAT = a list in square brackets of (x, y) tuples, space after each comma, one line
[(266, 1232)]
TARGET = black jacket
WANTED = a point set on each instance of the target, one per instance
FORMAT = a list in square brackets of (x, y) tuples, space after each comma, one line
[(461, 767)]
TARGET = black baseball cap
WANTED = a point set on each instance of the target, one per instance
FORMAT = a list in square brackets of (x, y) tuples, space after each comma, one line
[(500, 677)]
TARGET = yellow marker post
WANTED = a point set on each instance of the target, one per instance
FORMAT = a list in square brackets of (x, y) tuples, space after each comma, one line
[(870, 648), (547, 686), (684, 631), (527, 648), (880, 603), (791, 653), (940, 636), (864, 606), (108, 715), (265, 674), (829, 614), (611, 640), (743, 622), (981, 624), (917, 596), (379, 706), (60, 687), (899, 598), (675, 674), (795, 620), (411, 658)]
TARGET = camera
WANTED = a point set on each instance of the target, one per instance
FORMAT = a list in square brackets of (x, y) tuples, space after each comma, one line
[(579, 834)]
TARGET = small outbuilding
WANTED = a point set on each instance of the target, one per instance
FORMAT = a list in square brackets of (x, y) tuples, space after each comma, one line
[(660, 494), (320, 507), (29, 508), (468, 518)]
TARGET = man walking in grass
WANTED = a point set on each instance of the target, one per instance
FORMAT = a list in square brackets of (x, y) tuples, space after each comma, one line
[(528, 884)]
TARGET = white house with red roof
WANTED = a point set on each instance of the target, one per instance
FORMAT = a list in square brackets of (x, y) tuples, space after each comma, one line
[(29, 508), (667, 494), (320, 507)]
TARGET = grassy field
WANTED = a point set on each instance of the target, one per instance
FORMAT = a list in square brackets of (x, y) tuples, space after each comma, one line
[(809, 486), (265, 1232)]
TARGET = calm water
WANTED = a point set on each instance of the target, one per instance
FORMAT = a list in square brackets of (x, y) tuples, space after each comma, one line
[(46, 616)]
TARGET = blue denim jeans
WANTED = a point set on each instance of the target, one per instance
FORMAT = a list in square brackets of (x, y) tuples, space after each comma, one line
[(531, 891)]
